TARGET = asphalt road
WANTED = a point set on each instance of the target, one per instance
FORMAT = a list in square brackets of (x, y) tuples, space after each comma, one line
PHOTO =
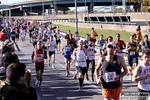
[(56, 86)]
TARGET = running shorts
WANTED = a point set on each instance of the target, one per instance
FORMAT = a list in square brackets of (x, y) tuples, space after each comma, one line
[(39, 68), (81, 69), (111, 93)]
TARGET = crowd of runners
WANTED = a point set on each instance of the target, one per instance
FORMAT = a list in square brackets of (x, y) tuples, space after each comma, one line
[(111, 66)]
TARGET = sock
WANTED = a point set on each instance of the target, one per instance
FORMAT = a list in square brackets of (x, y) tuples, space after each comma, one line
[(80, 82)]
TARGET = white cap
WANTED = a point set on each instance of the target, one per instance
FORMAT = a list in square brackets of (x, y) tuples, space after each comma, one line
[(80, 41), (111, 44)]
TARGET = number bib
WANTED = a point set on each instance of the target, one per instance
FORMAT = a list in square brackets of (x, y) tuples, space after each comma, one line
[(39, 57), (109, 76), (81, 59), (132, 53), (147, 82)]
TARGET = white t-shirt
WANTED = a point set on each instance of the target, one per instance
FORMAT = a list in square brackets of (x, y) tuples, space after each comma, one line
[(91, 54), (144, 84), (81, 58), (51, 45)]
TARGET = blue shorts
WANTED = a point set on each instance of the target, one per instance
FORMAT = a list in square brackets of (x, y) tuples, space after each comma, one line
[(67, 57)]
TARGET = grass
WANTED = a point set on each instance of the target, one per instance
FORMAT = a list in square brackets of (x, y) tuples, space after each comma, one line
[(83, 31)]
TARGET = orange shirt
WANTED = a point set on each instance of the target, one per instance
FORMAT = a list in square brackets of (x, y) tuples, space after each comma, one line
[(93, 35), (138, 36)]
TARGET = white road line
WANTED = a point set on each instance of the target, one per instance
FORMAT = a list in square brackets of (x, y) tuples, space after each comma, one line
[(94, 86)]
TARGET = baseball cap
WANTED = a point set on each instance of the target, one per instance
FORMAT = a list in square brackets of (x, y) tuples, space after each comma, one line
[(80, 41), (111, 44)]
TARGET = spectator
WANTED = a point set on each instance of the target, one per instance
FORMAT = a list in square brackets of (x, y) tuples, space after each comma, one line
[(14, 87)]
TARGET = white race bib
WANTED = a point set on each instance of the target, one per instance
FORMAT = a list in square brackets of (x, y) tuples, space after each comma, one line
[(109, 76), (147, 82), (39, 57), (132, 53)]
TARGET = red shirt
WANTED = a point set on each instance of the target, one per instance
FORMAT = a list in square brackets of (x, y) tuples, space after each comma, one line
[(39, 58)]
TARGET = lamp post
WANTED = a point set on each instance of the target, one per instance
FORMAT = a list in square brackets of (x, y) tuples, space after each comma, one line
[(76, 16), (43, 10)]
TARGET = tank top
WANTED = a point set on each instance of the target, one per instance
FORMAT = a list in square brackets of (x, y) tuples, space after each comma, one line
[(120, 45), (144, 84), (77, 38), (108, 71), (100, 43), (34, 38), (133, 51), (67, 50), (80, 58), (57, 36), (51, 45), (90, 54), (39, 57)]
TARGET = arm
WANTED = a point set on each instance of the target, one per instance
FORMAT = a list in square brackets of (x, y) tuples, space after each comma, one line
[(125, 70), (127, 47), (97, 70), (136, 74), (32, 56)]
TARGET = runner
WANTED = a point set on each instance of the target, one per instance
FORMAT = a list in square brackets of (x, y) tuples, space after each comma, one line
[(58, 41), (93, 34), (145, 44), (44, 40), (100, 44), (67, 51), (110, 73), (23, 34), (90, 59), (120, 43), (142, 76), (38, 58), (80, 62), (77, 37), (34, 39), (51, 48), (131, 47)]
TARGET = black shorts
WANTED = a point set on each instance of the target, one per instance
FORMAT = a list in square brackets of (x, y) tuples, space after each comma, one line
[(94, 40), (58, 41), (34, 43), (17, 36), (51, 53), (39, 68), (81, 69), (13, 38)]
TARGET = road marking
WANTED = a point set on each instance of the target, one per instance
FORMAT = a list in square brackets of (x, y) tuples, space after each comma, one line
[(97, 88)]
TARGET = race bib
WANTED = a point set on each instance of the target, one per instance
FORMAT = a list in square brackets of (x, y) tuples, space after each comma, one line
[(109, 76), (132, 53), (147, 82), (39, 57), (81, 60), (91, 55)]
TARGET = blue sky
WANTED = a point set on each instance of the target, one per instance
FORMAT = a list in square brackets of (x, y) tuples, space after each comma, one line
[(10, 1)]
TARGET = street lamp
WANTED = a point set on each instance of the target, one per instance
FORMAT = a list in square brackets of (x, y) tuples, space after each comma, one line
[(76, 16), (43, 10)]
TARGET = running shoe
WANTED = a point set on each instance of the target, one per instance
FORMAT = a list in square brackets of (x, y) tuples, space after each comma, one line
[(80, 89), (39, 87), (36, 82), (66, 75), (53, 67), (130, 77)]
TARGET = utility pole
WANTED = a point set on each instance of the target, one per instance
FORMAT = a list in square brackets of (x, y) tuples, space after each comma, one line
[(76, 16)]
